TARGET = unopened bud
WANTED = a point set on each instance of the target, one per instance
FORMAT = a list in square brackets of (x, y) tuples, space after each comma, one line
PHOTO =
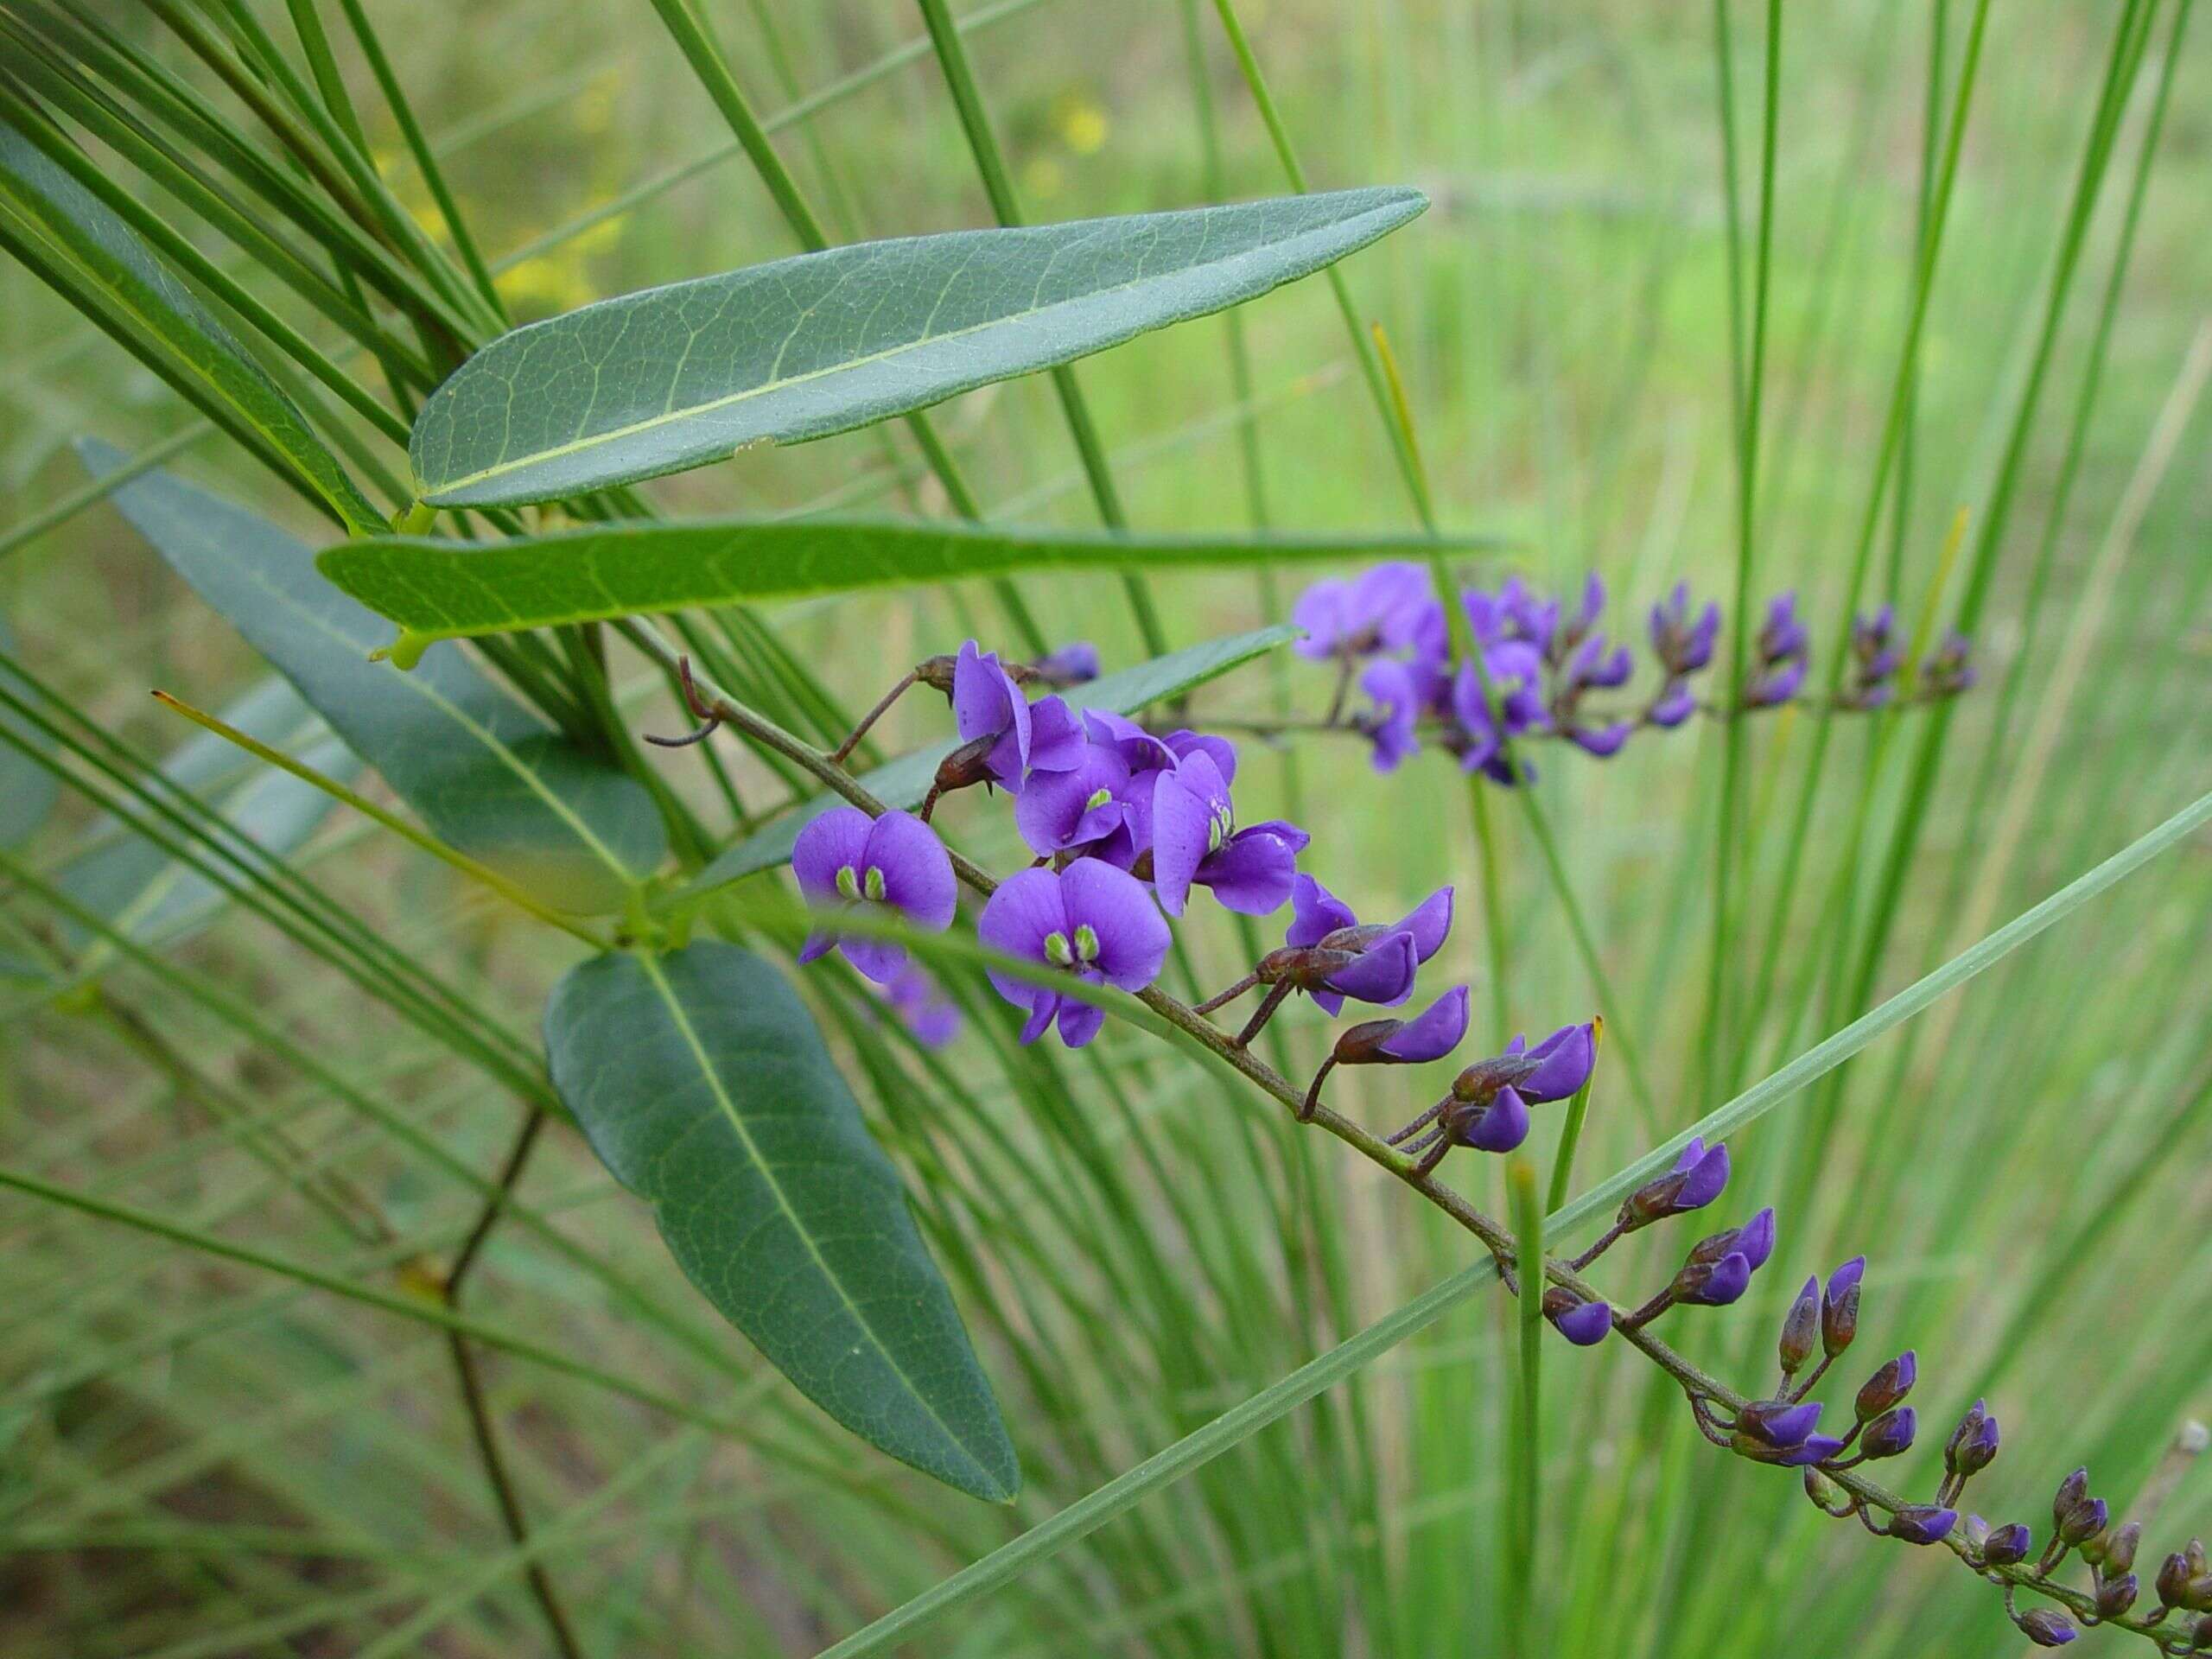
[(1890, 1433), (1888, 1386), (2046, 1628), (2172, 1582), (1801, 1327), (2119, 1547), (1840, 1306), (1973, 1445), (2008, 1544), (2084, 1521), (2115, 1596), (1922, 1524), (2071, 1491), (1822, 1490)]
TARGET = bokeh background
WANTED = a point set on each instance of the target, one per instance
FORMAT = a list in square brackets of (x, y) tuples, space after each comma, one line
[(207, 1458)]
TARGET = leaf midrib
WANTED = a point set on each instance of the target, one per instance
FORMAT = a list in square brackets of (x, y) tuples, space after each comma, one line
[(694, 411), (736, 1119)]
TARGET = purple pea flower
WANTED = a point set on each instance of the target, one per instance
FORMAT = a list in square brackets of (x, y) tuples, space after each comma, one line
[(1377, 610), (1875, 657), (1090, 920), (844, 859), (1779, 1422), (1023, 738), (1584, 1324), (1683, 647), (1531, 620), (1781, 646), (1429, 1035), (1922, 1524), (1890, 1435), (1592, 666), (1513, 705), (1714, 1284), (1946, 672), (1058, 812), (1696, 1180), (1840, 1306), (1501, 1127), (1564, 1059), (1195, 839), (1755, 1239), (1675, 704), (1074, 664), (1389, 725), (1383, 968), (921, 1008)]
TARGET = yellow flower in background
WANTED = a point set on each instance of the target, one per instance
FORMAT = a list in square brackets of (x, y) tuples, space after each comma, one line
[(1080, 124)]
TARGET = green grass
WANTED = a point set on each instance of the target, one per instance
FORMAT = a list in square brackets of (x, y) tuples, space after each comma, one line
[(207, 1451)]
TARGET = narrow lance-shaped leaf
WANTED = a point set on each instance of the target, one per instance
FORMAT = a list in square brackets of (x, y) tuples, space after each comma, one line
[(182, 340), (485, 772), (446, 589), (902, 782), (676, 377), (703, 1083)]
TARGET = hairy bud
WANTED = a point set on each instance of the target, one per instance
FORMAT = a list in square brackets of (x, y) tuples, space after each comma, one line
[(2120, 1546), (1922, 1524), (1888, 1386), (2172, 1582), (2008, 1546), (2084, 1521), (1890, 1433), (2071, 1491), (2115, 1596), (1801, 1327), (1973, 1445), (1840, 1306), (2046, 1628)]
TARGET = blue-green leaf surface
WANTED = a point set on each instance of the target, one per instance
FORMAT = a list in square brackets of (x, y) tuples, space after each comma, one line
[(446, 589), (703, 1083), (485, 772), (902, 782), (676, 377)]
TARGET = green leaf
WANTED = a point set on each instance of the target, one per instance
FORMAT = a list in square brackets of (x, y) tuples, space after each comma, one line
[(133, 882), (677, 377), (902, 782), (485, 772), (703, 1086), (446, 589), (78, 235)]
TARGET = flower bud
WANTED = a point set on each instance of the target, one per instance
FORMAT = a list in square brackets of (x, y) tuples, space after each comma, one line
[(2008, 1544), (2071, 1490), (1973, 1445), (1584, 1324), (1822, 1490), (1840, 1306), (1755, 1238), (2046, 1628), (2199, 1592), (2115, 1596), (2084, 1521), (1975, 1531), (1888, 1386), (2172, 1582), (1714, 1284), (1922, 1524), (1890, 1433), (1814, 1449), (2120, 1546), (1799, 1327), (2201, 1635), (1777, 1422)]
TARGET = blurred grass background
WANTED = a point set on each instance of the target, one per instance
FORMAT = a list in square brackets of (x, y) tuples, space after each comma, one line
[(198, 1458)]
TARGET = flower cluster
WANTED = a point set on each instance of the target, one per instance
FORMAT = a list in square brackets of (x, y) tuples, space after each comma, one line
[(1536, 665)]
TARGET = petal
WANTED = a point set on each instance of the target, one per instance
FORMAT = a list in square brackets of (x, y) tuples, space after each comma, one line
[(918, 878), (1433, 1033), (1056, 739), (1027, 905), (1139, 749), (817, 945), (1568, 1055), (1252, 873), (1320, 611), (881, 960), (1315, 912), (1383, 973), (979, 692), (1430, 922), (1040, 1014), (1328, 1001), (836, 840), (1079, 1021), (1503, 1126), (1181, 822), (1220, 754), (1133, 936), (1053, 811), (1585, 1325), (1602, 742)]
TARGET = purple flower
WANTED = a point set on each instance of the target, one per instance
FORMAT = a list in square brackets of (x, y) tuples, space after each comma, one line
[(1321, 921), (1389, 725), (922, 1007), (1840, 1306), (1779, 1422), (1675, 704), (1695, 1180), (844, 859), (1768, 687), (1564, 1059), (1683, 647), (1057, 811), (1090, 920), (1500, 1127), (1874, 650), (2045, 1628), (1946, 672), (1377, 611), (1890, 1435), (1535, 621), (1074, 664), (1514, 704), (1714, 1284), (1922, 1524), (1781, 646), (1584, 1324), (1195, 839), (2008, 1544), (1429, 1035), (1755, 1238), (987, 704), (1888, 1385), (1801, 1327)]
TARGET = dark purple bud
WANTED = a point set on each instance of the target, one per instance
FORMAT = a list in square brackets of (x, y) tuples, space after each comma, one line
[(1890, 1433), (2120, 1546), (1801, 1327), (1889, 1385), (2071, 1490), (1922, 1524), (1428, 1036), (1840, 1306), (1714, 1284), (1814, 1449), (2084, 1521), (2115, 1595), (2172, 1582), (2046, 1628), (1584, 1324), (2008, 1546), (1777, 1422)]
